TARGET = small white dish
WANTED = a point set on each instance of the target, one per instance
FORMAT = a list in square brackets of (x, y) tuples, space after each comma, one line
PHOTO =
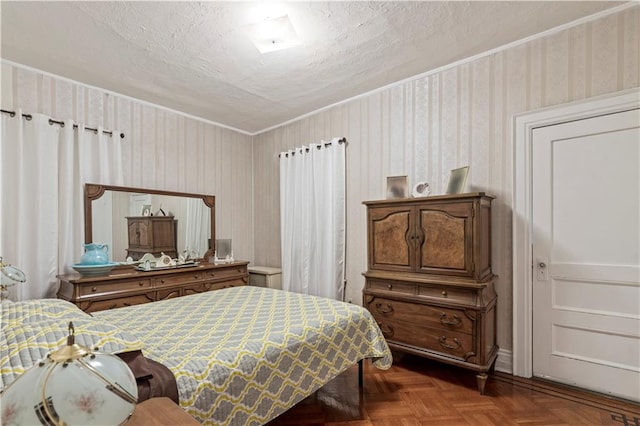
[(421, 189)]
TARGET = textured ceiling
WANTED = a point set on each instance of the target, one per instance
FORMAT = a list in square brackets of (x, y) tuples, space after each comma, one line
[(195, 57)]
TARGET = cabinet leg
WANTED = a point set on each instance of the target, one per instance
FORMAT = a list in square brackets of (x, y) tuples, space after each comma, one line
[(481, 380)]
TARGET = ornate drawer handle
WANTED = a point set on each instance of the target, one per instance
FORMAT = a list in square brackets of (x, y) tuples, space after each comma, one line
[(443, 342), (452, 322), (389, 286), (141, 283), (162, 281), (94, 288), (385, 308), (195, 276), (444, 293), (387, 330), (213, 274)]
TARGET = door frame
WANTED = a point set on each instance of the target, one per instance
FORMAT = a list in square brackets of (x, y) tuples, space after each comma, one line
[(522, 207)]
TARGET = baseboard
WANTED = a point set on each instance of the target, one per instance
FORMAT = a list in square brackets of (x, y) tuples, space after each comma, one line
[(504, 363)]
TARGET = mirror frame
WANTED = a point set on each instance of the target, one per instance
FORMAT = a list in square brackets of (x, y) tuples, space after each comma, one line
[(93, 191)]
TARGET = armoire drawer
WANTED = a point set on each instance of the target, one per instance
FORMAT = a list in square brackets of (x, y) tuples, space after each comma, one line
[(183, 278), (395, 286), (431, 316), (119, 302), (217, 274), (461, 295), (450, 343), (114, 287)]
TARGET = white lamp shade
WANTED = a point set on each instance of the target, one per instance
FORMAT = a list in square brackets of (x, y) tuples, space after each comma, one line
[(73, 391)]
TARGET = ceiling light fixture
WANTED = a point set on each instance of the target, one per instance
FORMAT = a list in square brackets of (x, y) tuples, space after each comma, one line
[(273, 34)]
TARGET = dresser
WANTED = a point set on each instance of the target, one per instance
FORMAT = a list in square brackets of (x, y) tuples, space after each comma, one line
[(429, 282), (151, 234), (127, 286)]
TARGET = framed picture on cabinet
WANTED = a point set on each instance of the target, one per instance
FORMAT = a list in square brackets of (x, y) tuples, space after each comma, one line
[(146, 210), (458, 180), (397, 187)]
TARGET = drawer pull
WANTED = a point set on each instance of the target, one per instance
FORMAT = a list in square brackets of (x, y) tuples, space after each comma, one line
[(195, 276), (94, 288), (444, 293), (384, 308), (141, 283), (387, 330), (390, 286), (452, 322), (443, 342), (213, 274), (162, 281)]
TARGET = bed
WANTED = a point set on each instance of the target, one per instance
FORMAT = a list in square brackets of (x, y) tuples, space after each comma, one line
[(240, 356)]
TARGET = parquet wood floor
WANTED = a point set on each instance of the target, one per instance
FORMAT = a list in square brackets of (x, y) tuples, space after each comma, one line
[(416, 391)]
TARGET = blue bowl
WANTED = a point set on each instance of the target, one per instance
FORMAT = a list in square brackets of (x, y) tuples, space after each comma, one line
[(93, 270)]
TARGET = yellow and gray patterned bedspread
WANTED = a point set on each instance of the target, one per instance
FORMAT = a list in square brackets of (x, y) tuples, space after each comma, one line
[(33, 328), (244, 355)]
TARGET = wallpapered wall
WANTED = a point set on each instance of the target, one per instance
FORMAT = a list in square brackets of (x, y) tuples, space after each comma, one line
[(459, 115), (162, 149), (422, 127)]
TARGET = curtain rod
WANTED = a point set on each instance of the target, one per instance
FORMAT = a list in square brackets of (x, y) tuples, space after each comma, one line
[(61, 123), (341, 140)]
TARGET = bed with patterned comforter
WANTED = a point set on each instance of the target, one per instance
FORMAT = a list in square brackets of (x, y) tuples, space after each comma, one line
[(244, 355)]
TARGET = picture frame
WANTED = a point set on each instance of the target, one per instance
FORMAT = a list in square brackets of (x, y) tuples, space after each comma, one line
[(146, 210), (397, 187), (457, 180)]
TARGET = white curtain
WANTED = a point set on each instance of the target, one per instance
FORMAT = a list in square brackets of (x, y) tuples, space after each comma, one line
[(197, 227), (312, 219), (43, 168)]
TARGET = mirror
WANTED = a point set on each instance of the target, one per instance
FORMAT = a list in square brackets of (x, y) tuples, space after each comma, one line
[(134, 221)]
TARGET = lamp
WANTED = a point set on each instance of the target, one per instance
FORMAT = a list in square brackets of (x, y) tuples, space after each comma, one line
[(9, 276), (72, 386)]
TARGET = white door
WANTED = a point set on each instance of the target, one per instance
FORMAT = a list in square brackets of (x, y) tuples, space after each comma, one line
[(586, 253)]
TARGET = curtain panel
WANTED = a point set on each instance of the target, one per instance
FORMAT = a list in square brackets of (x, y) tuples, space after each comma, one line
[(43, 169), (312, 215)]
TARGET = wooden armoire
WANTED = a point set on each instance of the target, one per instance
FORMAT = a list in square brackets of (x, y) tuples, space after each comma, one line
[(429, 282)]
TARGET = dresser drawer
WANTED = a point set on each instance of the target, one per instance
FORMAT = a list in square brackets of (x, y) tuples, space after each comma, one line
[(431, 316), (107, 287), (179, 279), (397, 287), (222, 273), (118, 302), (461, 295), (450, 343)]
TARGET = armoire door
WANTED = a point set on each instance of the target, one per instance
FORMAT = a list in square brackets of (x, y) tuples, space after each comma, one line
[(586, 253), (391, 238)]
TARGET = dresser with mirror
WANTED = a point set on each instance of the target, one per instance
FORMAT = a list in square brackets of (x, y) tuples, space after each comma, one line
[(123, 219)]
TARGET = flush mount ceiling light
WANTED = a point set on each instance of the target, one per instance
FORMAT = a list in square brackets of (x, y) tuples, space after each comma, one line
[(273, 34)]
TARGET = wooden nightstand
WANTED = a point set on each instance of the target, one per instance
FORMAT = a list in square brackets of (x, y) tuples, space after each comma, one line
[(160, 411)]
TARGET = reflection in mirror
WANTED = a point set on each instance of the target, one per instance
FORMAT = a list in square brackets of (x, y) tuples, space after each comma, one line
[(178, 224)]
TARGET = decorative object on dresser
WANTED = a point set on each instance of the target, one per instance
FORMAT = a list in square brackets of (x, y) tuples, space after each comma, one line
[(397, 187), (151, 234), (429, 282), (457, 180), (127, 286)]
